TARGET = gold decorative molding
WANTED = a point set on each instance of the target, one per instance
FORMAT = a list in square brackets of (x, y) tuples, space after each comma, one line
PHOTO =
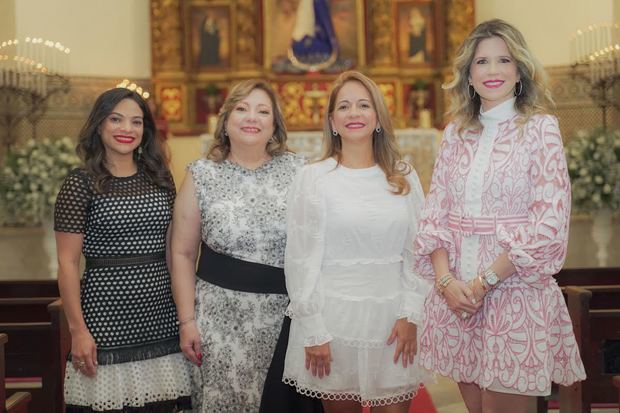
[(248, 37), (166, 35), (380, 33), (67, 112), (574, 107), (460, 20)]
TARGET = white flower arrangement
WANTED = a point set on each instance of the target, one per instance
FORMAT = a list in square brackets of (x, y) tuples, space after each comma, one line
[(31, 179), (594, 168)]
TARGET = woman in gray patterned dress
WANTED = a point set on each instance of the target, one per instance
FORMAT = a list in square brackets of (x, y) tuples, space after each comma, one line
[(233, 205)]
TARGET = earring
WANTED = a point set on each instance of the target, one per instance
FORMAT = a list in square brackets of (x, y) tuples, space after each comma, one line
[(139, 152), (378, 129), (471, 91), (225, 133), (334, 133), (520, 88)]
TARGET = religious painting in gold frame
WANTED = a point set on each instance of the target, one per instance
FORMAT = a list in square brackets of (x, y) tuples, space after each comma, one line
[(209, 36), (347, 16), (418, 32)]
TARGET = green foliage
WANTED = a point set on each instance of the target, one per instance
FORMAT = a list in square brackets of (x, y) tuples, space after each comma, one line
[(31, 179)]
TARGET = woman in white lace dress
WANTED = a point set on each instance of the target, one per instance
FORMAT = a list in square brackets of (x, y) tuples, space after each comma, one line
[(355, 301)]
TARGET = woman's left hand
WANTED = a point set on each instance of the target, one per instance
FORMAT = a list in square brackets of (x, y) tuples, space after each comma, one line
[(405, 334)]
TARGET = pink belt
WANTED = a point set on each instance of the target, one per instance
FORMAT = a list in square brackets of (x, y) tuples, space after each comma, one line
[(482, 225)]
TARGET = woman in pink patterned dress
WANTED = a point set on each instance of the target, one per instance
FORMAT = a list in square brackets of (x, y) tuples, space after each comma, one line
[(494, 230)]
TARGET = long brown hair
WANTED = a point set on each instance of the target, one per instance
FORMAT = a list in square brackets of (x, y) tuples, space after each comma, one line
[(220, 147), (534, 95), (384, 145), (92, 152)]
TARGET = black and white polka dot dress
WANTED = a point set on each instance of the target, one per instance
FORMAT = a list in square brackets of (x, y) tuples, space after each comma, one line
[(126, 296)]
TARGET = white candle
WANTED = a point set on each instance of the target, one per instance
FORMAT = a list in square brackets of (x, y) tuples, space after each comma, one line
[(425, 119)]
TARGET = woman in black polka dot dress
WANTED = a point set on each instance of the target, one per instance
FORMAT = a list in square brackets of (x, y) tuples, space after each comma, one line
[(116, 211)]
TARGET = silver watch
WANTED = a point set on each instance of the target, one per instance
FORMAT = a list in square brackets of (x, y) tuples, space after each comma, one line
[(491, 278)]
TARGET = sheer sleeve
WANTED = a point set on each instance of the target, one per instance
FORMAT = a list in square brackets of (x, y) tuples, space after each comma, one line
[(538, 250), (415, 288), (433, 232), (304, 254), (71, 208)]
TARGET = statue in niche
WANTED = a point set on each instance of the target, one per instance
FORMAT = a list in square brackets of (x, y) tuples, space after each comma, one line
[(417, 37), (209, 42)]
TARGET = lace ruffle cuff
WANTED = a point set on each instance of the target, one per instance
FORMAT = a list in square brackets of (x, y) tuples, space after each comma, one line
[(313, 327), (535, 261), (412, 306)]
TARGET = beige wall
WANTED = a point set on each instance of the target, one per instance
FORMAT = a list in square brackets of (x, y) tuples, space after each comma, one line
[(7, 20), (548, 24), (183, 150), (107, 38)]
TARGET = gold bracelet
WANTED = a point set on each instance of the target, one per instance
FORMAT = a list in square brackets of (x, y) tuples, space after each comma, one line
[(443, 282), (483, 283)]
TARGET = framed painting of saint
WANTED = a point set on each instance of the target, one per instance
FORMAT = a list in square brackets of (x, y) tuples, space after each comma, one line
[(304, 36), (209, 40), (418, 25)]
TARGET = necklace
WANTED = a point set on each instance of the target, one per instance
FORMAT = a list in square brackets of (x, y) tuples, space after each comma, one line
[(253, 165)]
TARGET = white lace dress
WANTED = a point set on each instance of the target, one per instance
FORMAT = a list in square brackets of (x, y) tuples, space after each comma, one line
[(349, 275)]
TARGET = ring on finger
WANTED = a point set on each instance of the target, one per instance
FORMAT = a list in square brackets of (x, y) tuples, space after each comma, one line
[(80, 364), (464, 315)]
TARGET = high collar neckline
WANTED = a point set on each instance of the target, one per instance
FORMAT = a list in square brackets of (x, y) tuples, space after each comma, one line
[(499, 113)]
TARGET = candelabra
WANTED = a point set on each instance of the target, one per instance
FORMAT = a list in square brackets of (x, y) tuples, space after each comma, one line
[(31, 71), (596, 53)]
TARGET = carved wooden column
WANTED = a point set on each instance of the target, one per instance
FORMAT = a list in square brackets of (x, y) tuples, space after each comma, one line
[(166, 36), (460, 21), (381, 45), (249, 37)]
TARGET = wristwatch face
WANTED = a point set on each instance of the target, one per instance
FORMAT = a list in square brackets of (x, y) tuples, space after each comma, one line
[(491, 277)]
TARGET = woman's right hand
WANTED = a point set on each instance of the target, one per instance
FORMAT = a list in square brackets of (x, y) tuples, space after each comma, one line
[(190, 342), (318, 359), (84, 352), (460, 299)]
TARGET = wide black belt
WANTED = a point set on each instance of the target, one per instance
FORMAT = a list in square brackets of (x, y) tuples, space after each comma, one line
[(234, 274), (124, 261)]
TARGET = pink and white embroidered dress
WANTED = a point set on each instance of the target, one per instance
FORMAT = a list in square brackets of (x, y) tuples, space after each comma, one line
[(505, 188)]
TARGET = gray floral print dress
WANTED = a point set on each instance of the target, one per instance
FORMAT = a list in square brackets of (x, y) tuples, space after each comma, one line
[(243, 216)]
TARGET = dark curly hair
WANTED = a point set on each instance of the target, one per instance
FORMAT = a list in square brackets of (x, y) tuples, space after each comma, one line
[(92, 152)]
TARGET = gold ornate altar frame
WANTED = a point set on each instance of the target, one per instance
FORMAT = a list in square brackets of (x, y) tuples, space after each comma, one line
[(190, 93)]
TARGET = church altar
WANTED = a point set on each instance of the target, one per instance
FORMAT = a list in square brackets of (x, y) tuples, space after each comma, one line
[(418, 146)]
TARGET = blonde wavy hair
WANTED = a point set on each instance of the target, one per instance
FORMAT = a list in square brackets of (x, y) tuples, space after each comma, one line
[(384, 145), (220, 147), (535, 96)]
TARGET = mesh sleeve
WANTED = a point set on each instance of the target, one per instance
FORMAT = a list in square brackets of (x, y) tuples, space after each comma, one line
[(71, 207)]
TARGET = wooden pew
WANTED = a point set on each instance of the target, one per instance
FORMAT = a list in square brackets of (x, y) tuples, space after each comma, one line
[(37, 350), (579, 277), (20, 288), (17, 403), (595, 313), (588, 276), (616, 383)]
